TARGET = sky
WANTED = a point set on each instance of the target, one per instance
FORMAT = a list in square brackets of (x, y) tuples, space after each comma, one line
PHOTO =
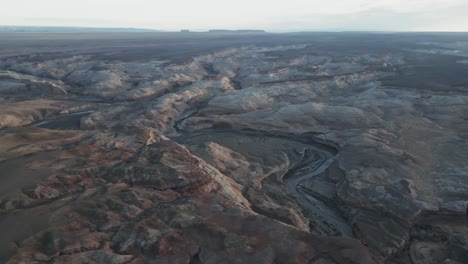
[(271, 15)]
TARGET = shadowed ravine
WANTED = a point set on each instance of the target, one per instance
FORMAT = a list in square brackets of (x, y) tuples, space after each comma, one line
[(322, 213)]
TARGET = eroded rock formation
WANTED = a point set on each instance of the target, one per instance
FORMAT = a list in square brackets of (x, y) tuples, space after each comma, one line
[(305, 150)]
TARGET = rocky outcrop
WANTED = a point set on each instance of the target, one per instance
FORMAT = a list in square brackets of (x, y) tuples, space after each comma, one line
[(160, 202)]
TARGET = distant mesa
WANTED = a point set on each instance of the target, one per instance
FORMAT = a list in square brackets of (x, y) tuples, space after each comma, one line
[(236, 31)]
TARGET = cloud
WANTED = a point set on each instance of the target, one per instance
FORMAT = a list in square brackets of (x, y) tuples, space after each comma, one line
[(204, 14), (414, 6)]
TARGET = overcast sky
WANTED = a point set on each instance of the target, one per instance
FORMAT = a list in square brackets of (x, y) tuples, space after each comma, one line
[(273, 15)]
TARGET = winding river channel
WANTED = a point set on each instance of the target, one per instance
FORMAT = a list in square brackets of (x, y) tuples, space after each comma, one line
[(69, 121), (306, 179)]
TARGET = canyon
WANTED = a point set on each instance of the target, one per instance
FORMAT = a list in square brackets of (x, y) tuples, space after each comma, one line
[(316, 148)]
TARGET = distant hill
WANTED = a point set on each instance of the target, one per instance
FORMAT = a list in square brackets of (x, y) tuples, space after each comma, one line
[(6, 29)]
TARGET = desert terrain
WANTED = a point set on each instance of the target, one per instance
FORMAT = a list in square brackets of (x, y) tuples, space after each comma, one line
[(245, 147)]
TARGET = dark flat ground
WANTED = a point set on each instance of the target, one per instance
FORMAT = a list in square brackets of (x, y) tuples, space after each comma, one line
[(181, 46)]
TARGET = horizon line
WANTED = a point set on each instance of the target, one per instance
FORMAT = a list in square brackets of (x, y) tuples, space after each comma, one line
[(188, 30)]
